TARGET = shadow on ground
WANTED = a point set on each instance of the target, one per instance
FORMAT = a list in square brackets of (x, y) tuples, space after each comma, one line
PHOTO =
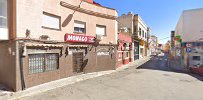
[(3, 90)]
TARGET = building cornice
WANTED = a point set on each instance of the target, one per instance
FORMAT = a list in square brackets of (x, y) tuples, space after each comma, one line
[(79, 9)]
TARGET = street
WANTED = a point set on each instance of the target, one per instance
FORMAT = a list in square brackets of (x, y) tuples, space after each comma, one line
[(154, 80)]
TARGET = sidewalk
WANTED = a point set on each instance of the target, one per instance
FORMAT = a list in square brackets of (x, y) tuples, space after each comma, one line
[(67, 81)]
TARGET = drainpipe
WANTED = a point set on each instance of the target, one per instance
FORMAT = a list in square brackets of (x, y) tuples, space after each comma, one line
[(21, 66)]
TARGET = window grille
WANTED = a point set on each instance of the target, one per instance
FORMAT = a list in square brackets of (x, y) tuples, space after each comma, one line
[(39, 63)]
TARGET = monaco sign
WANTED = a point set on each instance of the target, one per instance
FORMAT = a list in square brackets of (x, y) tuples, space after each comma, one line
[(79, 38)]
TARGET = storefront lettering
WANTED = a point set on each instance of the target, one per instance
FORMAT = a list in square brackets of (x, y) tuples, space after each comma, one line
[(103, 53), (79, 38)]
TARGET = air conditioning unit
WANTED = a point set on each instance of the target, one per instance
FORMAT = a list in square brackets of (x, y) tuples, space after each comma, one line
[(44, 37), (98, 38)]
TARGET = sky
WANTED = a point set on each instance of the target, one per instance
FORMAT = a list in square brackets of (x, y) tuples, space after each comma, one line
[(160, 15)]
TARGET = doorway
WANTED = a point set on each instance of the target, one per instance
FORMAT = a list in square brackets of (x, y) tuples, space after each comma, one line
[(78, 58), (136, 50)]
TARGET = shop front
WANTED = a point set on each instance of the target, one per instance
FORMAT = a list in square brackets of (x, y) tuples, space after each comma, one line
[(125, 53), (45, 61), (142, 49)]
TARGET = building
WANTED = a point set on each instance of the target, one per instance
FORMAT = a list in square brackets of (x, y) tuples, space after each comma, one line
[(189, 39), (153, 41), (51, 40), (125, 52), (167, 47), (140, 33), (172, 39)]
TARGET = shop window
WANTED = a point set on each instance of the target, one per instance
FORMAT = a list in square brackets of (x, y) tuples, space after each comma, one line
[(51, 21), (101, 30), (79, 27), (3, 20), (196, 58), (43, 62)]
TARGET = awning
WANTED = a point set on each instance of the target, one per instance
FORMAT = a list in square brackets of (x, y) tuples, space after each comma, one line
[(77, 45), (42, 45)]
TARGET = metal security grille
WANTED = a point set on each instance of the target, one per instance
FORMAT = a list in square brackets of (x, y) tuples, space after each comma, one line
[(43, 62), (77, 62)]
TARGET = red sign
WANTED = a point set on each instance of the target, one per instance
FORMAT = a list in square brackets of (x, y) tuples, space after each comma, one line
[(188, 45), (79, 38)]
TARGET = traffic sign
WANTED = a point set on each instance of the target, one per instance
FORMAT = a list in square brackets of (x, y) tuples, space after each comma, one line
[(188, 50)]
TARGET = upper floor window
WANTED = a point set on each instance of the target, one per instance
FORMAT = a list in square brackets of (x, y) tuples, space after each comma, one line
[(51, 21), (3, 13), (101, 30), (79, 27), (140, 31), (145, 35)]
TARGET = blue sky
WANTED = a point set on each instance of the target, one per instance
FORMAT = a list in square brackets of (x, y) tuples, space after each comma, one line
[(160, 15)]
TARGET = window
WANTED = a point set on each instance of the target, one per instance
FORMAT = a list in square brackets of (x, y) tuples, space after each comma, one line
[(43, 62), (3, 20), (145, 35), (196, 58), (101, 30), (140, 31), (51, 21), (79, 27), (3, 14)]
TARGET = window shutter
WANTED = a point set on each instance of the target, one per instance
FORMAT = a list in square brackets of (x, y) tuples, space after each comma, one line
[(100, 30)]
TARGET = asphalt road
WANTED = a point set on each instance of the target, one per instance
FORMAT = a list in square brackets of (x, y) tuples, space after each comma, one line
[(151, 81), (159, 62)]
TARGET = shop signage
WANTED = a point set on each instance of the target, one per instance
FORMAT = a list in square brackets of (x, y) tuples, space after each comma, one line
[(189, 45), (103, 53), (79, 38)]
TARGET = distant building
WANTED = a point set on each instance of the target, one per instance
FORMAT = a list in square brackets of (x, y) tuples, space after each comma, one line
[(167, 47), (153, 41), (139, 31)]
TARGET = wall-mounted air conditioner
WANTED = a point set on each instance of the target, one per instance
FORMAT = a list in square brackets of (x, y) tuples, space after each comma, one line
[(98, 38)]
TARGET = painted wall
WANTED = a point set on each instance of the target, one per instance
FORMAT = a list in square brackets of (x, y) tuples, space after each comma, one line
[(91, 1), (190, 25), (29, 17), (139, 23), (8, 64), (124, 56), (126, 21)]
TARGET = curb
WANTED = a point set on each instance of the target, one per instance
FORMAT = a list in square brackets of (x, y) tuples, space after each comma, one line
[(68, 81)]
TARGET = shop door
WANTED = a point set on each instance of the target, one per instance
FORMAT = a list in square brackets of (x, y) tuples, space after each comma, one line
[(78, 62), (136, 50)]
